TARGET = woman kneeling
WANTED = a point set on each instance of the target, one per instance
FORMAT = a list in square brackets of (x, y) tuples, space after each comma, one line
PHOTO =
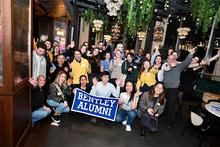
[(128, 100), (151, 106), (57, 97)]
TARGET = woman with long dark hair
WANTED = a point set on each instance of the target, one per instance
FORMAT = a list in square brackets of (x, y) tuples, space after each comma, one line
[(128, 100), (151, 105)]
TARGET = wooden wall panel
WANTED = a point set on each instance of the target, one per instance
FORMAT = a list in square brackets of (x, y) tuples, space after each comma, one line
[(5, 121), (21, 121)]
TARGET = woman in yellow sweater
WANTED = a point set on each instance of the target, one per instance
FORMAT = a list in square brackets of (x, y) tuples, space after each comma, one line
[(146, 77)]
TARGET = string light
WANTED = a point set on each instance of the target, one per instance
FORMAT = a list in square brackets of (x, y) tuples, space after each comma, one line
[(184, 18), (155, 10)]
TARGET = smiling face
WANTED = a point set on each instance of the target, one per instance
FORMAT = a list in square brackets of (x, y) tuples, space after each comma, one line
[(62, 78), (95, 51), (158, 89), (40, 51), (107, 56), (83, 81), (158, 60), (77, 55), (195, 60), (60, 59), (105, 79), (118, 54), (41, 81), (129, 87), (147, 65), (83, 49), (129, 58), (48, 44)]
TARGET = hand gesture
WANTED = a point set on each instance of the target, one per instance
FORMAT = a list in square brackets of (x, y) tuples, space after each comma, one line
[(32, 81), (150, 111), (129, 69), (52, 70), (157, 115), (117, 82), (74, 91), (46, 108), (204, 62), (72, 44), (94, 81), (65, 104), (66, 69), (138, 93), (193, 50)]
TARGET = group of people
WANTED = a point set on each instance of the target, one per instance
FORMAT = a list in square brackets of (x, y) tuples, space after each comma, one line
[(146, 86)]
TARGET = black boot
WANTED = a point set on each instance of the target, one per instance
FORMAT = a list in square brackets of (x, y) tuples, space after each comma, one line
[(142, 132)]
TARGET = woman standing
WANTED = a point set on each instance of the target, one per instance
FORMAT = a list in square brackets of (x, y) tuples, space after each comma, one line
[(146, 77), (151, 105), (104, 65), (57, 97), (129, 68), (115, 68), (128, 100)]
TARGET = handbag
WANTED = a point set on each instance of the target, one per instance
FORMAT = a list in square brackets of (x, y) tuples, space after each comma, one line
[(149, 121)]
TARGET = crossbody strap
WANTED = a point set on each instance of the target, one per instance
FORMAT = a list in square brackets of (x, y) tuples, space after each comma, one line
[(59, 90)]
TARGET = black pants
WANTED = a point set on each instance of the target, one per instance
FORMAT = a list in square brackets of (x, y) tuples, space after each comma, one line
[(170, 108)]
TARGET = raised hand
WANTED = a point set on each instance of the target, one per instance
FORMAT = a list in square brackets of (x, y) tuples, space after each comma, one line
[(94, 81), (32, 81), (117, 82), (193, 50)]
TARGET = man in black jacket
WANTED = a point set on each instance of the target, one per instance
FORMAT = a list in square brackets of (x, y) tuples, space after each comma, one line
[(38, 104)]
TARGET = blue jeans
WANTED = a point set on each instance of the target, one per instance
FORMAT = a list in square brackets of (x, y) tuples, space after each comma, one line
[(59, 106), (39, 114), (126, 115)]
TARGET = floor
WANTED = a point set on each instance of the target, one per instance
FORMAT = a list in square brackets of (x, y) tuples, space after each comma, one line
[(76, 130)]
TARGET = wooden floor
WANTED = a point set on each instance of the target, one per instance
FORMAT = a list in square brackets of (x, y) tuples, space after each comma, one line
[(76, 130)]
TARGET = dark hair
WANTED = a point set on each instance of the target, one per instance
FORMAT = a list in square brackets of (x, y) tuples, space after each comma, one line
[(105, 73), (156, 58), (109, 54), (133, 90), (82, 77), (78, 51), (161, 96), (41, 45), (131, 54)]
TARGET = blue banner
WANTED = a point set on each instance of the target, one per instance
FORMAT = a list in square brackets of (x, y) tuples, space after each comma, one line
[(105, 108)]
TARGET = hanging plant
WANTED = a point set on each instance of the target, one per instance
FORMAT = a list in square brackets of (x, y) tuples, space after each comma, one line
[(204, 12), (88, 16)]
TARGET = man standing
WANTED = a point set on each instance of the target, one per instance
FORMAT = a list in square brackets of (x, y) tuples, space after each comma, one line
[(39, 62), (79, 66), (171, 82)]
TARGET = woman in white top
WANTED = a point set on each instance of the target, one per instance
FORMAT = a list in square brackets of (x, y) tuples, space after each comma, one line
[(128, 100)]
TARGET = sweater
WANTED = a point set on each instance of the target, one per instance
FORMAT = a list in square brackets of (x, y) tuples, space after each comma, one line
[(37, 98), (148, 78), (172, 77)]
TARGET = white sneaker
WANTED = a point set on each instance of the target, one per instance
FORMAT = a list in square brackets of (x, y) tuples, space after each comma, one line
[(55, 124), (128, 128), (124, 122)]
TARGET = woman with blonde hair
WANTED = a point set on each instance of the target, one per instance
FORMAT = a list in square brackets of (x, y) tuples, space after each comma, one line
[(57, 96)]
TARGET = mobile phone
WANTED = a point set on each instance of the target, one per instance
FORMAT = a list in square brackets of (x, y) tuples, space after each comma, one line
[(53, 66)]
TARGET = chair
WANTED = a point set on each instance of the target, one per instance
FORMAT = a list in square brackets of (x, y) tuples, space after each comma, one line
[(201, 123)]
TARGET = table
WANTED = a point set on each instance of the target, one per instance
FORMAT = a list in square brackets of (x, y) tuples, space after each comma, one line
[(213, 108)]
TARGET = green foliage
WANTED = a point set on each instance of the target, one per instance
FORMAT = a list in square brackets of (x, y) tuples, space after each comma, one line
[(204, 11), (138, 16), (218, 16)]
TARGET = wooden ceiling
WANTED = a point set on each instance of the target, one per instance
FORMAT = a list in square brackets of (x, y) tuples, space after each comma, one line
[(52, 8)]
